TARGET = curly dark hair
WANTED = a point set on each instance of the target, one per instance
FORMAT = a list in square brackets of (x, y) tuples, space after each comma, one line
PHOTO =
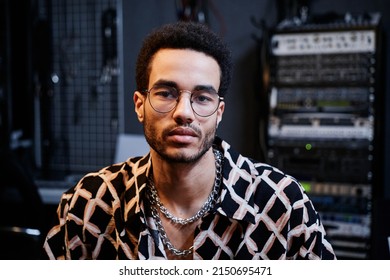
[(184, 35)]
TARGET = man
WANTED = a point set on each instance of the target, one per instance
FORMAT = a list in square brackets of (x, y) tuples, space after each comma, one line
[(192, 196)]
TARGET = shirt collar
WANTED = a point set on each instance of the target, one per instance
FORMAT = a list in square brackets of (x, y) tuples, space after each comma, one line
[(237, 178)]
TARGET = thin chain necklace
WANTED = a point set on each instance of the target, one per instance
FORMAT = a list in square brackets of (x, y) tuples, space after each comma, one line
[(209, 203)]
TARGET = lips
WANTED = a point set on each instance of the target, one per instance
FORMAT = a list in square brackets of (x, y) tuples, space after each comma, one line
[(182, 135), (182, 132)]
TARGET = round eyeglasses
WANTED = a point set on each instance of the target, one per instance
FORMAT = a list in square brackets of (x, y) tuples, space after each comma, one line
[(204, 101)]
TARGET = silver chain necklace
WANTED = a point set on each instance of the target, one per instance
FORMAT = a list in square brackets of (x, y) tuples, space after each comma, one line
[(209, 203)]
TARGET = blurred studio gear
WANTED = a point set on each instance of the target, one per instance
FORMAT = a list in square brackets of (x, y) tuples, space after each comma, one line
[(191, 10), (325, 123), (109, 39)]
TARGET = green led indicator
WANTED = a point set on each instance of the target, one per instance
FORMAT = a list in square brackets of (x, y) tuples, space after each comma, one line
[(308, 147), (306, 186)]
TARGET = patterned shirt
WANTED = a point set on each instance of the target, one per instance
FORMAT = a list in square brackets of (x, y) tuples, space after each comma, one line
[(261, 213)]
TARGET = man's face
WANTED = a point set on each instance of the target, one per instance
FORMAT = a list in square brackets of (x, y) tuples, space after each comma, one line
[(180, 135)]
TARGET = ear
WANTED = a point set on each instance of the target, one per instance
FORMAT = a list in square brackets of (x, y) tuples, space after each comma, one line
[(220, 111), (139, 102)]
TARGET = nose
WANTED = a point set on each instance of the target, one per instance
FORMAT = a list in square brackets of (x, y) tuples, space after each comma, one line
[(183, 112)]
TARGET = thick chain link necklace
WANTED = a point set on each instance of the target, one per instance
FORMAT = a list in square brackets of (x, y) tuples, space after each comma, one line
[(209, 203)]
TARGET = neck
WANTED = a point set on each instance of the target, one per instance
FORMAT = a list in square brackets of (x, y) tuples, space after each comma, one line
[(184, 187)]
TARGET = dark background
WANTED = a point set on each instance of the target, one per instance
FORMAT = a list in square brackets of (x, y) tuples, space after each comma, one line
[(29, 55)]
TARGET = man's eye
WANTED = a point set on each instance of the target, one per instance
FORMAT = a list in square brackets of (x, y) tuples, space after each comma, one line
[(164, 93), (203, 98)]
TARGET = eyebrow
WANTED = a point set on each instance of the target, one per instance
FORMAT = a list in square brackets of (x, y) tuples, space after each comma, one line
[(163, 82)]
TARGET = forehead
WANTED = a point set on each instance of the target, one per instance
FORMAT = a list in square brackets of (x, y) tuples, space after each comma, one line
[(185, 67)]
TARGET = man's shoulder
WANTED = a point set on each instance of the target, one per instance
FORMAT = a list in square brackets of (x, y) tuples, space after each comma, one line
[(245, 171), (237, 161), (114, 179)]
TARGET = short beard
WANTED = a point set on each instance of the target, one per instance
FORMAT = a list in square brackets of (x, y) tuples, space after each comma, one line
[(157, 144)]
